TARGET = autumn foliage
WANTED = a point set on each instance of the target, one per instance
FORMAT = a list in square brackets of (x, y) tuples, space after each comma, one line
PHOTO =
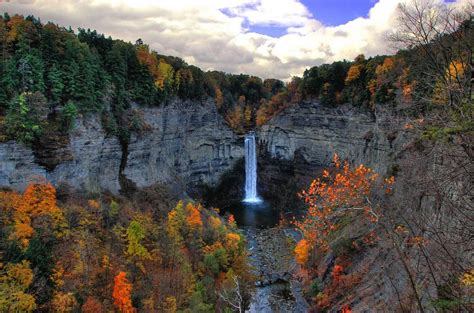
[(74, 256), (344, 191), (339, 285), (15, 279), (91, 306), (340, 191), (38, 200), (193, 216), (122, 293), (302, 251), (354, 73)]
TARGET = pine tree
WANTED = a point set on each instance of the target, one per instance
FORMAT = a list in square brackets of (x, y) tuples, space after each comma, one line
[(56, 84)]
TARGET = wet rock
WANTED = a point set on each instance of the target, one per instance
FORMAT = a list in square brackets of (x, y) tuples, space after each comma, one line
[(273, 261)]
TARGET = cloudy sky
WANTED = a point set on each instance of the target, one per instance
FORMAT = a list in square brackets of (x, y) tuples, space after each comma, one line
[(268, 38)]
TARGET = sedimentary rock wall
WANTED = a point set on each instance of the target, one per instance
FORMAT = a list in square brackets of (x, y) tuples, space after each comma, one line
[(187, 142), (93, 161), (312, 133)]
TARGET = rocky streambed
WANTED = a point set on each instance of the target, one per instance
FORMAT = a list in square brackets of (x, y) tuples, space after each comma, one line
[(278, 286)]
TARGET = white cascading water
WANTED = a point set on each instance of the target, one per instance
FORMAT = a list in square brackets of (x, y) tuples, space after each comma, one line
[(251, 170)]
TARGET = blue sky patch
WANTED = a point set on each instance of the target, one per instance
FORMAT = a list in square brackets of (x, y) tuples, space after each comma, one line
[(337, 12)]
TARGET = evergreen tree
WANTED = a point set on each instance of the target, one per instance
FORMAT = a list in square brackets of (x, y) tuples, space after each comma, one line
[(30, 68), (55, 84)]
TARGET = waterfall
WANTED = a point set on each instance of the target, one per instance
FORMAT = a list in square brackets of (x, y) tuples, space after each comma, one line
[(250, 169)]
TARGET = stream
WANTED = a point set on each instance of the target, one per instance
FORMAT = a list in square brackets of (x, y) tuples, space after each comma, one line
[(278, 288)]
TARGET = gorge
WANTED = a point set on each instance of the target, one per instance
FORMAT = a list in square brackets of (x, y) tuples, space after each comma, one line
[(188, 144), (132, 181)]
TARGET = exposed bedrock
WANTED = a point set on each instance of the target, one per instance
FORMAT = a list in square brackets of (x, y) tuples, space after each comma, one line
[(189, 143), (299, 142), (310, 134), (186, 141), (93, 162), (183, 142)]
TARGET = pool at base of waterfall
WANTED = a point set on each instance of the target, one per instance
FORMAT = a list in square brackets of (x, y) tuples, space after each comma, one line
[(252, 200), (253, 214)]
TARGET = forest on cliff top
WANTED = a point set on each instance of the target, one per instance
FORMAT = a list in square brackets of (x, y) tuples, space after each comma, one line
[(50, 73)]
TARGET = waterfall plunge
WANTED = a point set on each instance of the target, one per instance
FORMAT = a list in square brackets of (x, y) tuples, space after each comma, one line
[(251, 170)]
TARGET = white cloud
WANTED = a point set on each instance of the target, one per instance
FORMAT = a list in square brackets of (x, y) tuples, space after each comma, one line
[(273, 12), (214, 34)]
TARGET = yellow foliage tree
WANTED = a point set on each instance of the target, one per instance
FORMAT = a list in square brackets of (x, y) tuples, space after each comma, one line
[(14, 281), (164, 75), (64, 302), (387, 66), (468, 279), (235, 117), (248, 114), (219, 98), (135, 234), (162, 72), (232, 241), (175, 223), (215, 222), (169, 305), (455, 70)]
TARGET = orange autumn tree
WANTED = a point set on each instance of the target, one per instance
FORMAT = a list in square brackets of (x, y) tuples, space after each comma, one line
[(340, 191), (354, 73), (122, 293), (232, 241), (193, 216), (302, 252), (38, 200)]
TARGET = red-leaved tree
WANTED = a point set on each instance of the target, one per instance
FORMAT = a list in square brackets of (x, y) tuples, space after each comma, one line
[(122, 293)]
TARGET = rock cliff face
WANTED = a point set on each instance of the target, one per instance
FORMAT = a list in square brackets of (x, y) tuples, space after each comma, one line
[(93, 165), (17, 166), (190, 144), (301, 140), (184, 142), (311, 133), (295, 145)]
